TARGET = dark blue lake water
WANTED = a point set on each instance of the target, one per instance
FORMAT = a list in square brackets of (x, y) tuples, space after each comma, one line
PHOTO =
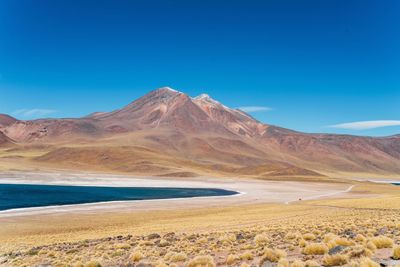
[(14, 196)]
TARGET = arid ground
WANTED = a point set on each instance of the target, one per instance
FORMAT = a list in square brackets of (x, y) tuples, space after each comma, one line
[(349, 222)]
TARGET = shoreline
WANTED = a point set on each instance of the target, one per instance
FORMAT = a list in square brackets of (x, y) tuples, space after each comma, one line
[(250, 191), (67, 207)]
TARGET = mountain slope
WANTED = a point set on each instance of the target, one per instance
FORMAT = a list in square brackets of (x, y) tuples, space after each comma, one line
[(199, 135), (4, 140), (336, 152), (6, 120)]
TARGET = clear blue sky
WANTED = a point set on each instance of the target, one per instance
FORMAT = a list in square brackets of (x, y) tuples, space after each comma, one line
[(315, 63)]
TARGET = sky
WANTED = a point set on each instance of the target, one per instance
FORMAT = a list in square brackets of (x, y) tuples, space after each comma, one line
[(308, 65)]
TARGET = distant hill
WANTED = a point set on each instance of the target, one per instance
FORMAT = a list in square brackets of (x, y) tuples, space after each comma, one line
[(166, 132)]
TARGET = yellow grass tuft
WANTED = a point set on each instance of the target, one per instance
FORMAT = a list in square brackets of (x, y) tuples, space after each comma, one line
[(312, 263), (371, 246), (382, 242), (160, 263), (298, 263), (136, 256), (247, 256), (261, 240), (201, 261), (335, 260), (360, 238), (93, 264), (302, 243), (231, 259), (315, 249), (329, 237), (283, 263), (309, 237), (358, 251), (178, 257), (228, 238), (273, 255), (367, 262), (163, 243), (343, 242), (396, 253)]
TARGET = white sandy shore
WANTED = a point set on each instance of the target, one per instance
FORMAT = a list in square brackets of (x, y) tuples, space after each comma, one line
[(251, 192)]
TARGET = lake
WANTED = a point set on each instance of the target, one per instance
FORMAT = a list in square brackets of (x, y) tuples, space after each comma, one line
[(14, 196)]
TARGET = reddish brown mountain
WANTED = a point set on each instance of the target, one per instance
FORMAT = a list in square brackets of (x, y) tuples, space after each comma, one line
[(6, 120), (4, 140), (200, 134)]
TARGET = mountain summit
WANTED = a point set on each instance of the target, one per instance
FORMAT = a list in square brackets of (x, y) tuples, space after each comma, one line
[(167, 130)]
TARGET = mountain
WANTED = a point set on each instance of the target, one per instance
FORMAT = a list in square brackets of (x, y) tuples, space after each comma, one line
[(4, 140), (6, 120), (167, 132)]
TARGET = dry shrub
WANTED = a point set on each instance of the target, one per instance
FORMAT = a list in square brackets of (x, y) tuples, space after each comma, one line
[(315, 249), (231, 259), (343, 242), (312, 263), (93, 264), (246, 256), (329, 237), (163, 243), (396, 253), (367, 262), (371, 246), (261, 240), (201, 261), (160, 263), (122, 246), (360, 238), (309, 237), (178, 257), (302, 243), (228, 238), (291, 236), (273, 255), (335, 260), (298, 263), (202, 240), (358, 251), (283, 263), (382, 242), (136, 256)]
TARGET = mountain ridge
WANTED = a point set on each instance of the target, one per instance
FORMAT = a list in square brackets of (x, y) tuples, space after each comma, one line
[(203, 132)]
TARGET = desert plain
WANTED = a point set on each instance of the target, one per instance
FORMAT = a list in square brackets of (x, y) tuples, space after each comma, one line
[(349, 222)]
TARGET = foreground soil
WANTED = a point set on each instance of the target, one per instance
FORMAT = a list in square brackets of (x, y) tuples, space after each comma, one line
[(333, 232)]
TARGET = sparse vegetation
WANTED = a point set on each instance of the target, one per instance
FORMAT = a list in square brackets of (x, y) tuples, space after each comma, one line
[(273, 255), (382, 242), (315, 249), (335, 260), (335, 237), (201, 261), (396, 253)]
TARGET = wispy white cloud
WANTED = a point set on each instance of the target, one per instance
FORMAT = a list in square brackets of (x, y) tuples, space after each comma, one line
[(33, 113), (365, 125), (251, 109)]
